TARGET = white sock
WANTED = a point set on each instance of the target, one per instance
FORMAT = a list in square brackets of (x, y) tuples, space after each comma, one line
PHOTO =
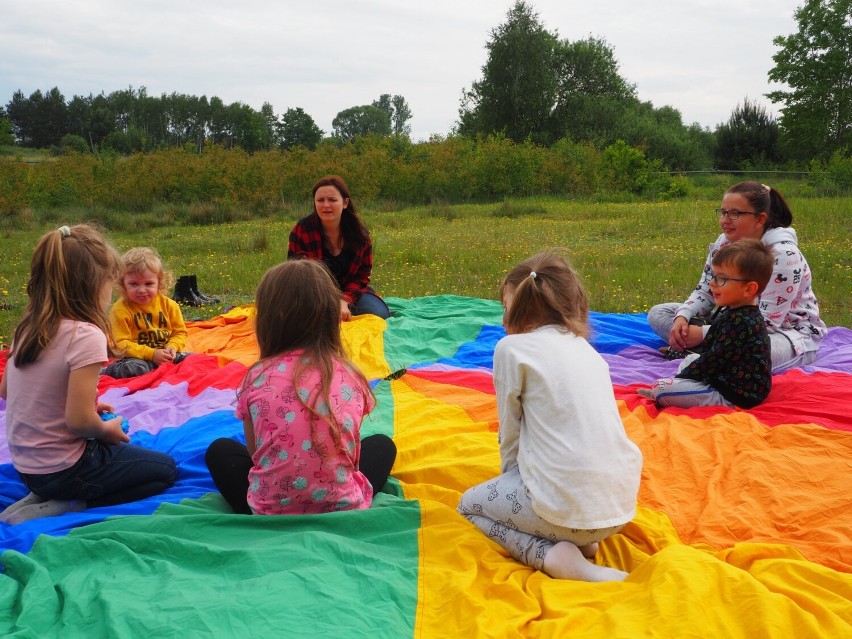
[(30, 499), (49, 508)]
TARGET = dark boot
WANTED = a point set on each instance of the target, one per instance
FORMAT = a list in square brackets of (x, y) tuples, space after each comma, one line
[(194, 286), (184, 293)]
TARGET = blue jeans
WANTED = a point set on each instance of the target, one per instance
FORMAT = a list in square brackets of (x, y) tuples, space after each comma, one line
[(107, 475), (372, 304)]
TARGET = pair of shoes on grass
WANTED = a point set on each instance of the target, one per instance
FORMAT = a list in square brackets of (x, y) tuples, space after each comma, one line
[(187, 293)]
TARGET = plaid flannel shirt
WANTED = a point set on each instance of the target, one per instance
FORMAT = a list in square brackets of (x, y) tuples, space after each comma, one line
[(306, 241)]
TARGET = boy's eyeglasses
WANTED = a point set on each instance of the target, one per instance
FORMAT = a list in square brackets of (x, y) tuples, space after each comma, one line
[(733, 214), (721, 280)]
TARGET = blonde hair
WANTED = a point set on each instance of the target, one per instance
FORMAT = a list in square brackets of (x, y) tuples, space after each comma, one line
[(143, 258), (546, 290), (69, 268)]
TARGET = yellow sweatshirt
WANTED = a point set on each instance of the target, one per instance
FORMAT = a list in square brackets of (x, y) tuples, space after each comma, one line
[(140, 330)]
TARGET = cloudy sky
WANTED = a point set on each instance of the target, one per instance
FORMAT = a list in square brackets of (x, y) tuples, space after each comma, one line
[(702, 57)]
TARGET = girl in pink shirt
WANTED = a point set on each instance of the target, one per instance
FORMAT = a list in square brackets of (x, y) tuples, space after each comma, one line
[(301, 406), (67, 456)]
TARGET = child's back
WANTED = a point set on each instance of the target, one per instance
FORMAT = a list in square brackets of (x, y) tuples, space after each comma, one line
[(303, 467), (569, 474), (301, 406), (571, 447), (36, 429)]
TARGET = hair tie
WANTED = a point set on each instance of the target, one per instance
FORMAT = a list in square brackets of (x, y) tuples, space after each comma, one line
[(532, 274), (64, 231), (766, 186)]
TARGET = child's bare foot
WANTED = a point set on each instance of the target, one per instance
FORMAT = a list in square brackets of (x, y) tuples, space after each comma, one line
[(565, 561), (589, 550)]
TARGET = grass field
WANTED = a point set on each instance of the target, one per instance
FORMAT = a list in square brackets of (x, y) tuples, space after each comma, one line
[(630, 255)]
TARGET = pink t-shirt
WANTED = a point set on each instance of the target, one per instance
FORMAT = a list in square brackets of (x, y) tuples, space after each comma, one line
[(298, 467), (39, 439)]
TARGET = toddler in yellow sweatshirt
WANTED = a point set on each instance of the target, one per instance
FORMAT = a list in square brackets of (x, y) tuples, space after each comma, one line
[(147, 326)]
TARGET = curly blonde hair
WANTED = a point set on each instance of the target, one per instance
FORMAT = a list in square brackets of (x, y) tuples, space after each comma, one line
[(144, 258)]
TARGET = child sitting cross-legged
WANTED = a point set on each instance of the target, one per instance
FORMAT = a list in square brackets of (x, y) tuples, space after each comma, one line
[(147, 326), (734, 368)]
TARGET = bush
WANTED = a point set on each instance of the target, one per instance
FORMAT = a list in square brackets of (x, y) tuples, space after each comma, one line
[(71, 143)]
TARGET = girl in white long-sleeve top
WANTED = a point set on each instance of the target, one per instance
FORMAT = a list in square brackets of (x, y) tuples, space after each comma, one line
[(570, 475)]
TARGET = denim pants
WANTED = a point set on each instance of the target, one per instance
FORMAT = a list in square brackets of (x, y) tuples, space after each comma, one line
[(106, 475), (133, 367)]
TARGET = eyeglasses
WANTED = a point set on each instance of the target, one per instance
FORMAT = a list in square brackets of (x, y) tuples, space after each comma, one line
[(721, 280), (733, 214)]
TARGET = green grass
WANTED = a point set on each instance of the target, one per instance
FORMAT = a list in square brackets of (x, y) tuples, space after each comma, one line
[(630, 255)]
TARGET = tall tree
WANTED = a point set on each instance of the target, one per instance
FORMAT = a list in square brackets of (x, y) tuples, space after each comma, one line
[(384, 103), (102, 120), (401, 115), (18, 112), (591, 95), (47, 118), (398, 111), (297, 128), (269, 134), (749, 139), (360, 120), (816, 63), (6, 137), (518, 87)]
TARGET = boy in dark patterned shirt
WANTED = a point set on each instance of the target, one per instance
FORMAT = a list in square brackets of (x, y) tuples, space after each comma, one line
[(734, 369)]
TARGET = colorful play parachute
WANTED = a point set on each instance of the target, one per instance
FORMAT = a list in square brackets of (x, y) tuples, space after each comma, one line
[(744, 524)]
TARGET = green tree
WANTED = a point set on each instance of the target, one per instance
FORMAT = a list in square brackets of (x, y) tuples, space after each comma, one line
[(401, 115), (247, 127), (361, 120), (297, 128), (18, 112), (398, 111), (6, 137), (45, 120), (72, 143), (661, 134), (519, 81), (591, 96), (749, 139), (269, 133), (816, 63)]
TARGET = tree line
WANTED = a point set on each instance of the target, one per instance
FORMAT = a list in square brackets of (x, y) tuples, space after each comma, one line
[(130, 120), (535, 88)]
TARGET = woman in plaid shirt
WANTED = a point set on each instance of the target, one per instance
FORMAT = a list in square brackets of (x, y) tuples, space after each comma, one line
[(334, 235)]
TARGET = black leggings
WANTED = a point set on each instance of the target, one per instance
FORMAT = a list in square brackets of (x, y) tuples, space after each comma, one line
[(229, 463)]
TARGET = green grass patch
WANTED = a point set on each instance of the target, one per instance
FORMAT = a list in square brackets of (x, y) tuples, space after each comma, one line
[(630, 255)]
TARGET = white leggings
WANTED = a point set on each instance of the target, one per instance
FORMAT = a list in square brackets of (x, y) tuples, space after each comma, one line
[(502, 509)]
